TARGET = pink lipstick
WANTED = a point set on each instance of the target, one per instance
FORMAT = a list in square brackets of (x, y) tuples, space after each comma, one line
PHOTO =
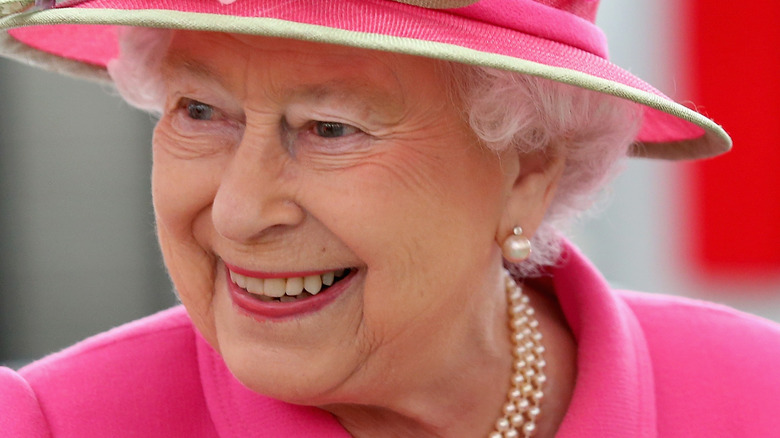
[(261, 309)]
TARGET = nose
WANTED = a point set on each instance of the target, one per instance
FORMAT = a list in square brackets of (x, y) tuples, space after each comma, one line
[(255, 194)]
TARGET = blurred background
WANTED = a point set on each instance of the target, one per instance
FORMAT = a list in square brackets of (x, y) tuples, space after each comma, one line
[(78, 252)]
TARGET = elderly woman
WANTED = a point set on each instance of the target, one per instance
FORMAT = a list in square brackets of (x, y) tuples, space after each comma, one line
[(359, 204)]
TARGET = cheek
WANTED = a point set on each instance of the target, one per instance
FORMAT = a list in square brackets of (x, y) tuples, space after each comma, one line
[(182, 189), (456, 191), (182, 193), (407, 210)]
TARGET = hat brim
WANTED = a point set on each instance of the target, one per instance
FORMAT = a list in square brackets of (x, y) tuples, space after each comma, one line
[(81, 40)]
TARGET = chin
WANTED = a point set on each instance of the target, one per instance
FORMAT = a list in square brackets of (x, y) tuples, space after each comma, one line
[(313, 379), (291, 384), (301, 360)]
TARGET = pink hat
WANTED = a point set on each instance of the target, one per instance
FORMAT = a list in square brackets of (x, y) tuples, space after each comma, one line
[(554, 39)]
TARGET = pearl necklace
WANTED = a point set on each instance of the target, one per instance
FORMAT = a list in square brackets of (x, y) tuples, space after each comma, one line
[(519, 414)]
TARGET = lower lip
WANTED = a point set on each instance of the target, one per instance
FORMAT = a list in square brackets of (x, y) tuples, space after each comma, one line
[(277, 310)]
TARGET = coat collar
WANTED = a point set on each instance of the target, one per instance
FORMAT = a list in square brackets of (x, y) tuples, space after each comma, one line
[(614, 391)]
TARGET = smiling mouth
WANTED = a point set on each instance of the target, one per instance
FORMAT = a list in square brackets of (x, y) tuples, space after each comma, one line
[(288, 289)]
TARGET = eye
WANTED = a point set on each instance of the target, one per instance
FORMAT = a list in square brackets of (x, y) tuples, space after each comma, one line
[(333, 129), (199, 110)]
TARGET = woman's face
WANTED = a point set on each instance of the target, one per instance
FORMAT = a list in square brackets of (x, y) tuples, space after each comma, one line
[(278, 159)]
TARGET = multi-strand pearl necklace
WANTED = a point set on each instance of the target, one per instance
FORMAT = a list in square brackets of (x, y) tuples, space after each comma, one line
[(519, 414)]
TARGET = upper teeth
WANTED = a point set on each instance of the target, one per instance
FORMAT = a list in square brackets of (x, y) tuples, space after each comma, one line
[(279, 287)]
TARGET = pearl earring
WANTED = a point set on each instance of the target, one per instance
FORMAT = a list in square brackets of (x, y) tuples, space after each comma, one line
[(516, 247)]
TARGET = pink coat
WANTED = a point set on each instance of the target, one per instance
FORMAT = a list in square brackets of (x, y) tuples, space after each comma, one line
[(648, 366)]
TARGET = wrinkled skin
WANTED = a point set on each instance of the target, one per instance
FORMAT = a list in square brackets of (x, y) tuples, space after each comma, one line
[(247, 173)]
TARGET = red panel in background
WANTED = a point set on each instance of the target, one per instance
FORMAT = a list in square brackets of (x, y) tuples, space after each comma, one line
[(734, 62)]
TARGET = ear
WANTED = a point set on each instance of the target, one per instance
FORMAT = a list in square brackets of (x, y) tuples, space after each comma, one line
[(532, 180)]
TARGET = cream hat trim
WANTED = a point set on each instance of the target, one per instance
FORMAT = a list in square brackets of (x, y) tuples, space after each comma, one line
[(12, 49), (714, 142)]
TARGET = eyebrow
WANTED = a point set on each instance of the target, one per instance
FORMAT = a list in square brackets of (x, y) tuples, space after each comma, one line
[(175, 63), (347, 90), (357, 89)]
